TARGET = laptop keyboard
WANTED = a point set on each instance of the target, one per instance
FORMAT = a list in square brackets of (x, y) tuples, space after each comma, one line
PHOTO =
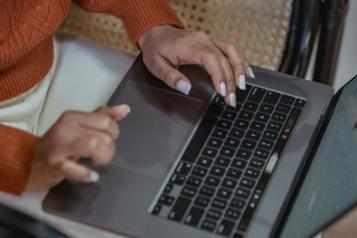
[(219, 180)]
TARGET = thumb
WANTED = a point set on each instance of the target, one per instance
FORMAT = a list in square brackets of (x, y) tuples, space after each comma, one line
[(165, 71), (117, 112)]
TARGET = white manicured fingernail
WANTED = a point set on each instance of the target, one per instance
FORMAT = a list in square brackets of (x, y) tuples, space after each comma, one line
[(251, 73), (241, 84), (183, 87), (93, 177), (123, 107), (223, 90), (232, 99)]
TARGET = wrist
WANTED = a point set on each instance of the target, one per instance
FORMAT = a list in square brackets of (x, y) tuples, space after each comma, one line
[(152, 32)]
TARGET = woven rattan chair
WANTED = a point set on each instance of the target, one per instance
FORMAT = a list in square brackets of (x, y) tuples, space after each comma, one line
[(275, 34)]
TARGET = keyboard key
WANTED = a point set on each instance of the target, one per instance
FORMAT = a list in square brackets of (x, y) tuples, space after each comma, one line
[(266, 108), (215, 110), (242, 95), (217, 171), (229, 115), (256, 94), (253, 135), (232, 214), (194, 182), (244, 154), (237, 235), (250, 106), (168, 188), (232, 142), (219, 101), (219, 133), (199, 139), (207, 191), (202, 201), (241, 124), (199, 171), (271, 97), (229, 183), (239, 164), (234, 173), (225, 228), (248, 144), (271, 135), (156, 209), (226, 151), (224, 124), (194, 216), (177, 179), (261, 154), (242, 193), (256, 163), (246, 115), (287, 100), (237, 203), (262, 117), (283, 108), (300, 103), (208, 225), (166, 200), (258, 126), (219, 203), (212, 181), (214, 214), (252, 173), (274, 126), (209, 152), (184, 168), (204, 162), (236, 133), (247, 183), (266, 144), (224, 193), (221, 161), (179, 209), (215, 143), (188, 192), (279, 117)]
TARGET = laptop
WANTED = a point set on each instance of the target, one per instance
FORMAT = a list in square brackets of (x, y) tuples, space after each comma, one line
[(191, 166)]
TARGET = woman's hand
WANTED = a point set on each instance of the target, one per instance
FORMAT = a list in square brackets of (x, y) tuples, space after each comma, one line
[(165, 48), (75, 135)]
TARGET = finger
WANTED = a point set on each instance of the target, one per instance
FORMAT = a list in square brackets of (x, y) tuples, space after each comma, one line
[(238, 63), (78, 173), (99, 122), (229, 80), (95, 146), (165, 71), (117, 112)]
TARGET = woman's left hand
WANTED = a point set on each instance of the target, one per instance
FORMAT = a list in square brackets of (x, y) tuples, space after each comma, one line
[(165, 48)]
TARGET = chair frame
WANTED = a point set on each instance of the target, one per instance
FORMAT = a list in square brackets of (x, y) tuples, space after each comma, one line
[(320, 22)]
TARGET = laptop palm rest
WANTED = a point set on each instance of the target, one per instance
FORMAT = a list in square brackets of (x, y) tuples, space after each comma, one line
[(156, 128)]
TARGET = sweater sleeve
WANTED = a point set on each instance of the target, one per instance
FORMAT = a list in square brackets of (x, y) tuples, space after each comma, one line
[(138, 16), (15, 159)]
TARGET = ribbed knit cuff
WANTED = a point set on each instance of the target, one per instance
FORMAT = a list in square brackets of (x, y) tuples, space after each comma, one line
[(15, 159), (139, 16)]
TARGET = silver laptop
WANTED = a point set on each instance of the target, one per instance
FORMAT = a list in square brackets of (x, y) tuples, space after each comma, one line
[(191, 166)]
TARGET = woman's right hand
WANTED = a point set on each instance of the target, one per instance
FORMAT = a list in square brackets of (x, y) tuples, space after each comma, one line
[(75, 135)]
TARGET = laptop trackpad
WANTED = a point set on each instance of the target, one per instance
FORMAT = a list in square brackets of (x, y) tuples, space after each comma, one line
[(155, 130)]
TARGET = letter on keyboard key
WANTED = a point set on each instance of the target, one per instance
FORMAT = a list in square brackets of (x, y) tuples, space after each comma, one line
[(194, 216), (179, 209), (271, 97), (225, 228), (208, 225)]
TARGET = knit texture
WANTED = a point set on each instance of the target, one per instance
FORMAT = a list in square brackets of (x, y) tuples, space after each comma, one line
[(26, 55)]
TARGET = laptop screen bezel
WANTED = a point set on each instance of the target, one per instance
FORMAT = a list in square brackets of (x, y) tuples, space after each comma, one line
[(305, 165)]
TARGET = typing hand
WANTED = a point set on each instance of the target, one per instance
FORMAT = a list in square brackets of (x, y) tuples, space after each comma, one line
[(165, 48), (75, 135)]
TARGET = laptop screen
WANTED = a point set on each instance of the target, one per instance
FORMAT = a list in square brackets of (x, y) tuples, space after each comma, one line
[(330, 185)]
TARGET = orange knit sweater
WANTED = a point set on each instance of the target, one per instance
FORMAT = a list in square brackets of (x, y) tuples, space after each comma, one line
[(26, 55)]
